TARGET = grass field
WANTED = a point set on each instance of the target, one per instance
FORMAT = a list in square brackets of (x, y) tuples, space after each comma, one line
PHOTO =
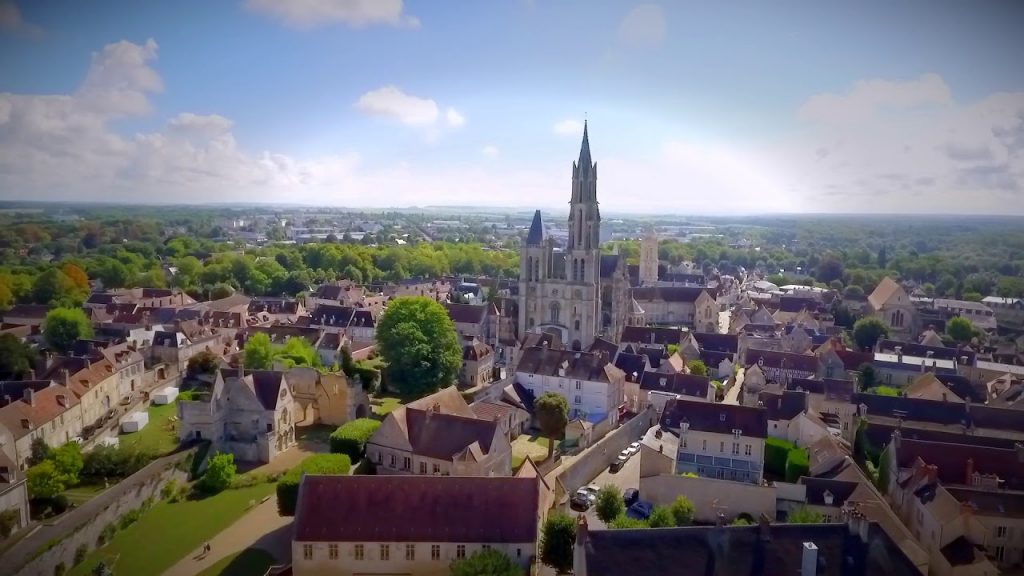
[(81, 494), (533, 446), (168, 532), (384, 405), (248, 562), (160, 436)]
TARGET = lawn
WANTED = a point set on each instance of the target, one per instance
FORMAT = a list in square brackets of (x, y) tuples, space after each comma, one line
[(81, 494), (533, 446), (168, 532), (160, 436), (248, 562), (384, 405)]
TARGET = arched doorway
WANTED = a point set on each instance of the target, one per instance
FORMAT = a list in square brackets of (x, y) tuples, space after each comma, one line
[(361, 411)]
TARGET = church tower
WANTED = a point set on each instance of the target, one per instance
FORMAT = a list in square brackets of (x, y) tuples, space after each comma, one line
[(649, 259), (583, 254)]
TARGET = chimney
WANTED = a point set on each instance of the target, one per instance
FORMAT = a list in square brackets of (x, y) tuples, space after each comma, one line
[(828, 497), (969, 472), (809, 563), (28, 397)]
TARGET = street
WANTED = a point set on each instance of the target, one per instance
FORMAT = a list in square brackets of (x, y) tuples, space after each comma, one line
[(627, 477)]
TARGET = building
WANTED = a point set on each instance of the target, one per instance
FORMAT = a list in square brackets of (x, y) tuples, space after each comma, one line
[(326, 398), (691, 306), (477, 364), (576, 292), (1009, 312), (890, 303), (658, 388), (13, 496), (724, 441), (649, 260), (411, 525), (440, 435), (980, 315), (592, 385), (52, 414), (249, 414)]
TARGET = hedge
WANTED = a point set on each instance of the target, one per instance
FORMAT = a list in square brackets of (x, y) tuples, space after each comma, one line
[(288, 485), (797, 465), (776, 452), (350, 438)]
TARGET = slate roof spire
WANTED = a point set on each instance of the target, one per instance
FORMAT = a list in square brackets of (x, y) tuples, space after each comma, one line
[(585, 162), (537, 235)]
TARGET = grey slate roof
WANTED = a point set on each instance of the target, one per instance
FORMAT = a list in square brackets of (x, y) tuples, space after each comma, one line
[(537, 234)]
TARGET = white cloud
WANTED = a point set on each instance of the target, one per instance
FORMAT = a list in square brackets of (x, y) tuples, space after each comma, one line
[(869, 98), (454, 119), (568, 128), (643, 26), (490, 151), (390, 102), (354, 13)]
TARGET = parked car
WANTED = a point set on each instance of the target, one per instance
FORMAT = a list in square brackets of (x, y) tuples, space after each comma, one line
[(583, 499), (640, 510), (591, 489), (635, 447), (630, 496), (619, 462), (625, 454)]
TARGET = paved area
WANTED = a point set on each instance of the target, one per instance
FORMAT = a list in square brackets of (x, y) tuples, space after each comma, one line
[(732, 394), (288, 459), (627, 477), (260, 528), (723, 321)]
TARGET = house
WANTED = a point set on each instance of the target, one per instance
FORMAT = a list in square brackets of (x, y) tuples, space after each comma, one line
[(474, 320), (831, 399), (477, 364), (690, 306), (52, 414), (657, 388), (1009, 312), (246, 413), (579, 433), (592, 385), (827, 496), (411, 525), (356, 323), (1001, 515), (513, 419), (440, 435), (13, 494), (280, 310), (26, 314), (856, 547), (891, 304), (724, 441), (326, 397), (928, 387), (981, 316), (770, 367), (790, 417)]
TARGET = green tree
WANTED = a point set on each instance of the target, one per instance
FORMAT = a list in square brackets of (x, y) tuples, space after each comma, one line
[(661, 517), (853, 292), (259, 352), (16, 357), (609, 503), (220, 472), (558, 537), (485, 563), (53, 286), (553, 416), (883, 391), (624, 522), (418, 341), (682, 511), (960, 329), (298, 352), (204, 362), (867, 331), (288, 485), (697, 368), (45, 480), (65, 325), (220, 291), (40, 451), (867, 376), (68, 460), (804, 515), (741, 522)]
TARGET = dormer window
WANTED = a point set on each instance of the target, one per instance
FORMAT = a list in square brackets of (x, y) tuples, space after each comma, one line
[(721, 417)]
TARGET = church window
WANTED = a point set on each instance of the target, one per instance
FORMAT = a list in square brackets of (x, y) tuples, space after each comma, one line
[(577, 324), (536, 269), (556, 310), (575, 269), (530, 323), (583, 270)]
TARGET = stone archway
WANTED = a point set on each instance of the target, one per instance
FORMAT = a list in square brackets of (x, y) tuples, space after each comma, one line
[(361, 411), (576, 345)]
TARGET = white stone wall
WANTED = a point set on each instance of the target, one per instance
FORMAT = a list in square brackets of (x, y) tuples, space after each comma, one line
[(584, 396), (421, 564)]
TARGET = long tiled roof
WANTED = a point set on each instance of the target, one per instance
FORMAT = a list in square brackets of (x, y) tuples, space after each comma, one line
[(592, 367), (671, 293), (466, 313), (684, 384), (951, 461), (417, 509), (717, 418)]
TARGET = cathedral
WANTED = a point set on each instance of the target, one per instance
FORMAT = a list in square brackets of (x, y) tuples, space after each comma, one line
[(574, 292)]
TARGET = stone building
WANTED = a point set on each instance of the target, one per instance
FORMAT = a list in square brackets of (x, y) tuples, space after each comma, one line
[(575, 292), (649, 260)]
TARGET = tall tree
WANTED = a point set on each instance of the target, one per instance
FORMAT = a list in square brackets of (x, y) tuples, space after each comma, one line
[(485, 563), (682, 511), (16, 357), (259, 352), (558, 537), (553, 415), (418, 341), (697, 368), (960, 329), (609, 503), (867, 331), (77, 276), (65, 325), (52, 286)]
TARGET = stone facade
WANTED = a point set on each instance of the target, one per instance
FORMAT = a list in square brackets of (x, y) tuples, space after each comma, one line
[(649, 260)]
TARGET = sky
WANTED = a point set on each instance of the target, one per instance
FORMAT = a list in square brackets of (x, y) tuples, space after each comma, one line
[(738, 107)]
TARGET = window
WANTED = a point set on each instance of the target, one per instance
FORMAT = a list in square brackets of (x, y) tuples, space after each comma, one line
[(1001, 531), (460, 551), (307, 551), (423, 467), (360, 552), (380, 457), (410, 551), (332, 551), (270, 427), (747, 450), (406, 463), (579, 384), (704, 445), (519, 552), (435, 551), (684, 441), (721, 447), (393, 461), (385, 552), (485, 547), (735, 448), (575, 399), (1000, 553), (437, 468)]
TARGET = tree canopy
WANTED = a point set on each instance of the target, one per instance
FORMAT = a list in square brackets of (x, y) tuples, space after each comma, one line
[(16, 357), (65, 325), (960, 329), (697, 368), (485, 563), (558, 537), (417, 339), (552, 411), (867, 331), (609, 503)]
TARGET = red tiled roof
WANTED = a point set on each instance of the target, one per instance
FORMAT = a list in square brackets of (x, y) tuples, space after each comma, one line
[(417, 509)]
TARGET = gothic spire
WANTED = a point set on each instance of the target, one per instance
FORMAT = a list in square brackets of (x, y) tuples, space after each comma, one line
[(537, 234), (585, 163)]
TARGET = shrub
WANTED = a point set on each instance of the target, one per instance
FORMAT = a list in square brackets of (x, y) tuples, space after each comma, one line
[(350, 438), (106, 535), (8, 520), (624, 522), (797, 465), (113, 462), (682, 511), (219, 474), (130, 517), (776, 451), (80, 553), (609, 503), (170, 489), (288, 485)]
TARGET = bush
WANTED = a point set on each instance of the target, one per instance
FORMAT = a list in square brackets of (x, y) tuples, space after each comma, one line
[(797, 465), (350, 438), (219, 474), (112, 462), (80, 553), (624, 522), (170, 489), (130, 517), (106, 535), (288, 485), (609, 503), (776, 451)]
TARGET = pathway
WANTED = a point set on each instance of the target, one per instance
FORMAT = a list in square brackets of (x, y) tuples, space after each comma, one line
[(732, 394), (260, 528)]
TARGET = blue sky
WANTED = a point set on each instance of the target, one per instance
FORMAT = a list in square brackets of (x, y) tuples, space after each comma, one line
[(695, 107)]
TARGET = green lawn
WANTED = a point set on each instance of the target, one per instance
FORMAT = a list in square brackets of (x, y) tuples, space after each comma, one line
[(248, 562), (517, 461), (160, 435), (81, 494), (384, 405), (168, 532), (541, 441)]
